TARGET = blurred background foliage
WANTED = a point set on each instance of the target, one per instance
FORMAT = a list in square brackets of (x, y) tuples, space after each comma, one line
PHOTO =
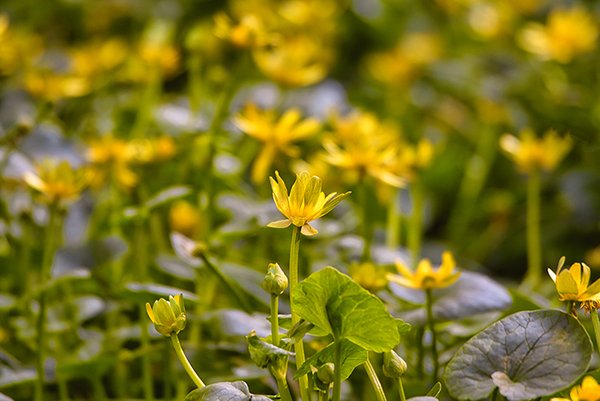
[(148, 102)]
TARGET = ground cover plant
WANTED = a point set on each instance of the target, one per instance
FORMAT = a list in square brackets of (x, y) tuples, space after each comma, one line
[(299, 200)]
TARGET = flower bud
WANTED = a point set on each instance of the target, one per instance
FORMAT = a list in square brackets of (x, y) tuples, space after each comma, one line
[(326, 373), (168, 316), (393, 365), (275, 281)]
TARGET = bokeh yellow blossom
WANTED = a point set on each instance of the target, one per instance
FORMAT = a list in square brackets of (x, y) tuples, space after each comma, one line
[(572, 284), (248, 32), (369, 275), (588, 390), (531, 153), (58, 181), (185, 219), (305, 202), (362, 145), (413, 159), (426, 278), (277, 134), (567, 33)]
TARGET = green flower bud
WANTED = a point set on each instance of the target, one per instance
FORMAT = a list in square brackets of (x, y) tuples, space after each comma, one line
[(326, 373), (168, 316), (393, 365), (275, 282)]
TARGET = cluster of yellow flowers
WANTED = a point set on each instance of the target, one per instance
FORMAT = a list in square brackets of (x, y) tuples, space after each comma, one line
[(531, 153)]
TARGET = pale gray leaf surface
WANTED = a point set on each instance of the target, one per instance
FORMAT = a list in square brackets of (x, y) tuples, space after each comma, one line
[(225, 391), (526, 355)]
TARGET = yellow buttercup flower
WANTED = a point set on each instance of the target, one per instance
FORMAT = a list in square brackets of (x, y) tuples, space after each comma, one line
[(414, 159), (184, 218), (362, 145), (531, 153), (369, 275), (588, 390), (572, 284), (305, 202), (249, 32), (168, 316), (566, 34), (112, 157), (277, 134), (426, 278), (58, 181)]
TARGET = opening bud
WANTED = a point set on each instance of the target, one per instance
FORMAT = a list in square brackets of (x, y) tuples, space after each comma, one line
[(393, 365), (168, 316), (275, 281)]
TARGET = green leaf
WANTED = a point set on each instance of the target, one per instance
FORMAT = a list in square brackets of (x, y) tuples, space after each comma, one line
[(333, 302), (229, 391), (4, 397), (422, 398), (352, 356), (435, 390), (472, 294), (526, 355), (166, 196), (263, 353), (146, 292)]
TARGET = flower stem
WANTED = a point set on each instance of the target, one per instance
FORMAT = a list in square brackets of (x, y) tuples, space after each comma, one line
[(375, 381), (184, 361), (431, 322), (420, 334), (367, 228), (415, 232), (337, 374), (50, 244), (323, 395), (275, 320), (596, 324), (299, 344), (394, 221), (401, 390), (534, 247)]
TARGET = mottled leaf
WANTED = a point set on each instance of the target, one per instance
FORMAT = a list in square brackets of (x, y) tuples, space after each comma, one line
[(335, 303), (526, 355)]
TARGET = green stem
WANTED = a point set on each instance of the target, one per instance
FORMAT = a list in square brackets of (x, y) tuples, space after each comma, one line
[(195, 84), (184, 361), (275, 320), (534, 246), (394, 220), (337, 374), (229, 285), (284, 390), (323, 395), (431, 322), (420, 334), (367, 227), (570, 307), (98, 389), (149, 97), (375, 381), (46, 275), (415, 232), (401, 390), (298, 344), (596, 324)]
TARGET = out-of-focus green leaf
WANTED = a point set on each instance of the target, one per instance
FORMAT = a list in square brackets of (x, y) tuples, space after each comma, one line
[(335, 303), (526, 355), (147, 292), (167, 195)]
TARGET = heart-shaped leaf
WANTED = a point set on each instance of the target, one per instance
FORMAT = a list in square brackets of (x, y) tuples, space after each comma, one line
[(352, 356), (526, 355), (473, 293), (333, 302), (230, 391)]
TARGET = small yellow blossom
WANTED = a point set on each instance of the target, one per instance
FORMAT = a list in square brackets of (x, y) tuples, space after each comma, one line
[(112, 157), (277, 134), (531, 153), (295, 61), (588, 390), (53, 86), (362, 145), (249, 32), (414, 159), (369, 275), (305, 202), (425, 278), (168, 316), (572, 284), (566, 34), (184, 218), (97, 58), (58, 181)]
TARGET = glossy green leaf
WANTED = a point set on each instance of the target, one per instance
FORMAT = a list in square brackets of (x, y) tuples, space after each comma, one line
[(263, 353), (335, 303), (225, 391), (526, 355), (352, 356)]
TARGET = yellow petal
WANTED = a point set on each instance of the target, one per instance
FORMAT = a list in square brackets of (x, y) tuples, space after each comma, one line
[(150, 312), (280, 223), (308, 230), (565, 284)]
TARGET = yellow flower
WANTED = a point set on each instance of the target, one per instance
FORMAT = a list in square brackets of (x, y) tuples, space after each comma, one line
[(294, 61), (112, 156), (362, 145), (58, 181), (185, 218), (168, 316), (52, 86), (305, 202), (588, 390), (276, 133), (573, 284), (414, 159), (531, 153), (566, 34), (425, 277), (249, 32), (369, 275)]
